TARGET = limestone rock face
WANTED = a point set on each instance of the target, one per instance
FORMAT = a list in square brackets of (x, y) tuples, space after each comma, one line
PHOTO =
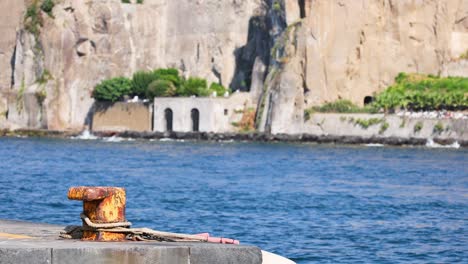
[(11, 13), (354, 48), (88, 41), (360, 46), (10, 19)]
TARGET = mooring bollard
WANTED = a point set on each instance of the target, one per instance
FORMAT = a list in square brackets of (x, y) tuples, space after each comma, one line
[(101, 206)]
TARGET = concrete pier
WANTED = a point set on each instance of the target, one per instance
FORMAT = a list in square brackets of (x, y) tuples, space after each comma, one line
[(23, 242)]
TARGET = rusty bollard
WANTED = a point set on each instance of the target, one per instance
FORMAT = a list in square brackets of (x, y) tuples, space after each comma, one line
[(102, 205)]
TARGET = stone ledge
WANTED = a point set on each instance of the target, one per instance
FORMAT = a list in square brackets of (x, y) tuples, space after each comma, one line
[(44, 246)]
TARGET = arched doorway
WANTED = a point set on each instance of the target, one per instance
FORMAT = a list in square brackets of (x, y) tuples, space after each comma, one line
[(368, 100), (195, 114), (168, 115)]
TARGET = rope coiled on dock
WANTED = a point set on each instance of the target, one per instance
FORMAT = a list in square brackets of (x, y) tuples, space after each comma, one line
[(137, 234)]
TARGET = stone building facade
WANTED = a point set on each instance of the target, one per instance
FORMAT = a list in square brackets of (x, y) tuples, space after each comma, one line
[(192, 114)]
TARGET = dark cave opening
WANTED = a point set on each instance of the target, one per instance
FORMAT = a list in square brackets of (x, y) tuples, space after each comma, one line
[(302, 9), (368, 100)]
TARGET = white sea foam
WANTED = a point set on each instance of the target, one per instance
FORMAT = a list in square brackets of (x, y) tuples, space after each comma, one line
[(85, 135), (113, 139), (374, 145), (431, 144), (166, 139)]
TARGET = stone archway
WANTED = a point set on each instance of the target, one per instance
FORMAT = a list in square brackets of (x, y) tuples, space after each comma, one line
[(195, 115), (169, 119)]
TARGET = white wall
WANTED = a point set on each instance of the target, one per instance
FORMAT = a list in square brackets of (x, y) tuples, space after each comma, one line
[(403, 127), (212, 117)]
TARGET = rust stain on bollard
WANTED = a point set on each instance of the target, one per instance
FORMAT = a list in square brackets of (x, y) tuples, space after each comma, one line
[(101, 205)]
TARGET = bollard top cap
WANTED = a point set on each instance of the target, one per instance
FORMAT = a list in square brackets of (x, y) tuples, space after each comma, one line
[(91, 193)]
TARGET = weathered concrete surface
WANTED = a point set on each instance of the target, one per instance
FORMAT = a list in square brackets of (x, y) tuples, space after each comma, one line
[(387, 126), (246, 136), (122, 116), (45, 247), (456, 68)]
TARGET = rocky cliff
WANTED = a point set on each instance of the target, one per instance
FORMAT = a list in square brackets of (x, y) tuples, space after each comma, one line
[(352, 49), (288, 54), (84, 42)]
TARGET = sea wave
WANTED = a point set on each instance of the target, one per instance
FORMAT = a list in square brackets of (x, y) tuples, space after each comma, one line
[(113, 139), (374, 145), (117, 139), (431, 144), (86, 135)]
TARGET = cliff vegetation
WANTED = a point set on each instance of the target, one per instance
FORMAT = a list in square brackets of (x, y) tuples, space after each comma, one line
[(414, 92), (157, 83), (424, 92)]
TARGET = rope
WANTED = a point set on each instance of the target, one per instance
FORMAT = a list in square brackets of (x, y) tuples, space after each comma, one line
[(104, 225), (150, 234), (72, 232), (136, 234)]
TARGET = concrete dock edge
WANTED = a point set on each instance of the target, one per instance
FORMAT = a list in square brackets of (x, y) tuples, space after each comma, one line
[(45, 246)]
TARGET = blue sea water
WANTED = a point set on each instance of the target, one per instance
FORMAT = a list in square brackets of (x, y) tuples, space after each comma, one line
[(310, 203)]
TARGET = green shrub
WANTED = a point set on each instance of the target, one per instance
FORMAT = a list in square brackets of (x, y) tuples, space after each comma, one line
[(126, 1), (171, 75), (33, 20), (139, 1), (47, 6), (160, 88), (418, 127), (343, 106), (218, 88), (180, 91), (163, 82), (464, 56), (384, 127), (420, 92), (366, 123), (45, 77), (41, 96), (277, 6), (340, 106), (401, 77), (141, 81), (20, 97), (438, 128), (196, 86), (308, 114), (113, 89)]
